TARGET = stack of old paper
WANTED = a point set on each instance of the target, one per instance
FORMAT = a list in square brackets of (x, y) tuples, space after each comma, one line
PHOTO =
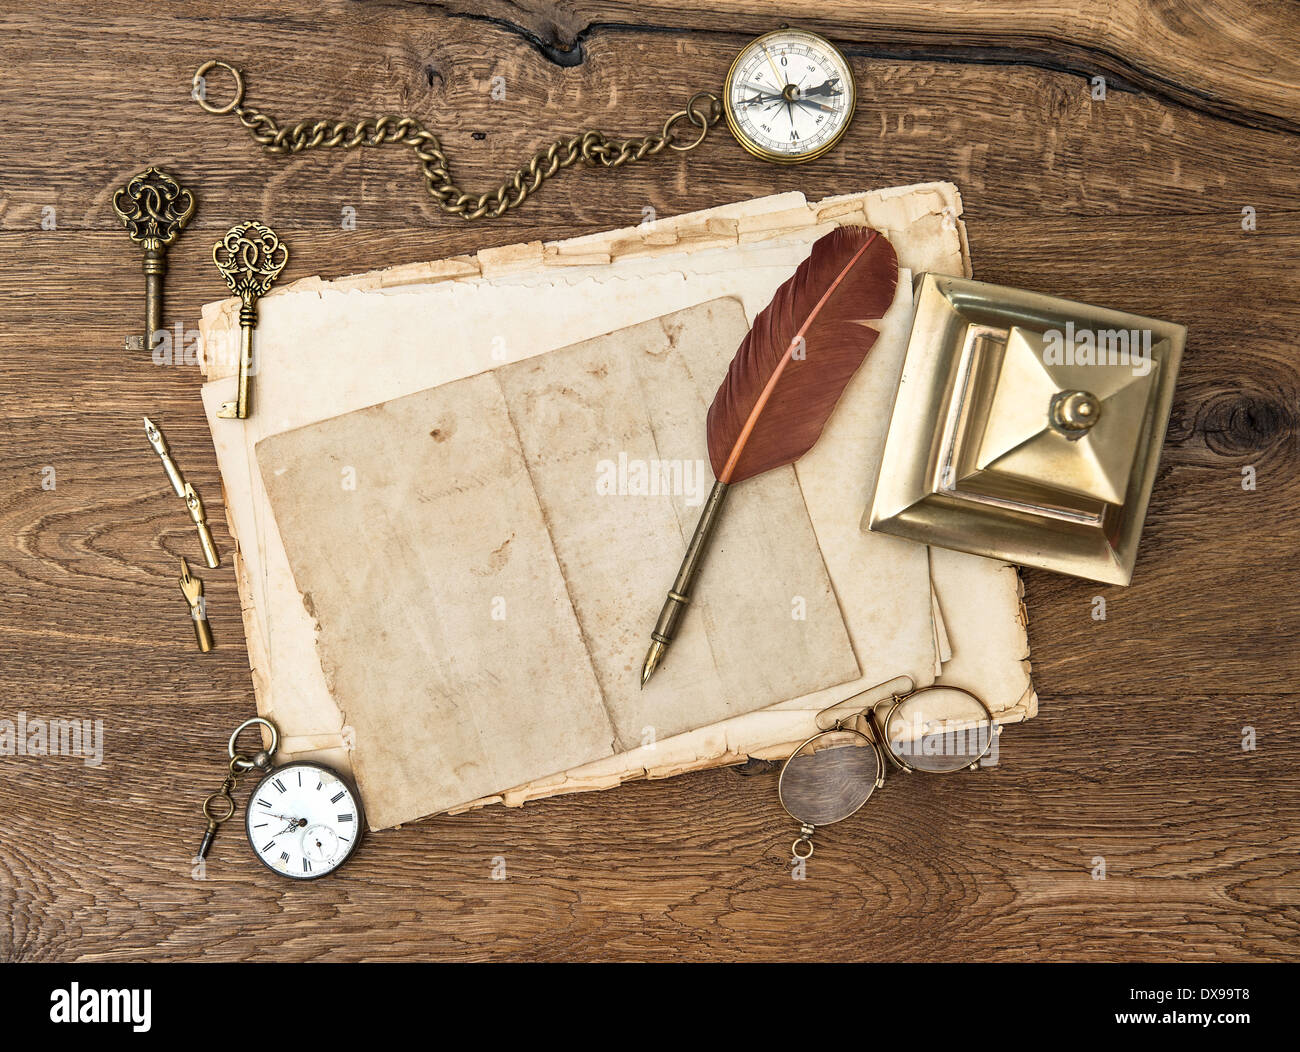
[(449, 560)]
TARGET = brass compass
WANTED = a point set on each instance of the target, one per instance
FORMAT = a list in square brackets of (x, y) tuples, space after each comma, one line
[(788, 98)]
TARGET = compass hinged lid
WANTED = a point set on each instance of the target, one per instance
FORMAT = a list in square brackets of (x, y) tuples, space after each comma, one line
[(1027, 428)]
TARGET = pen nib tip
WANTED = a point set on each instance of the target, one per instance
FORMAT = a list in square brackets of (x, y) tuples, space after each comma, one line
[(653, 656)]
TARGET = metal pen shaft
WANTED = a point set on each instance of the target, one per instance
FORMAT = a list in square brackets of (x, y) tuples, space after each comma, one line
[(679, 596), (173, 475), (200, 520), (202, 634), (192, 589)]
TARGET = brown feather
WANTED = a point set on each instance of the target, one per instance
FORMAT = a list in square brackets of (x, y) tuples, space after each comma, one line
[(801, 352)]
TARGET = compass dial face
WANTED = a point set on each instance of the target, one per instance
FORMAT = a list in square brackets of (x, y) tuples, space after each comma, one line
[(303, 820), (789, 96)]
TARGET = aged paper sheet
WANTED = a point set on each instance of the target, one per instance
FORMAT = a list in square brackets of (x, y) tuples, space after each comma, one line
[(424, 535), (321, 356), (764, 624), (403, 523)]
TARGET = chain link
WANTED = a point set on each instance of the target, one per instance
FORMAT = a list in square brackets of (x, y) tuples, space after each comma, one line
[(593, 148), (224, 795)]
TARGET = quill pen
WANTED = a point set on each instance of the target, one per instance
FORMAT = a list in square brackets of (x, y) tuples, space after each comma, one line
[(784, 381)]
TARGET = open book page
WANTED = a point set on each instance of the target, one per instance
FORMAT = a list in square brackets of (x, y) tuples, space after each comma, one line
[(602, 424), (325, 348), (405, 523)]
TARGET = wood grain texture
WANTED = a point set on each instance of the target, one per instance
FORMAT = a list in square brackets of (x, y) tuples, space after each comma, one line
[(1133, 201)]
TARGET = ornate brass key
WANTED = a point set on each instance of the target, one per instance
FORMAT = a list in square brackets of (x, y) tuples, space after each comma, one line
[(154, 208), (250, 258)]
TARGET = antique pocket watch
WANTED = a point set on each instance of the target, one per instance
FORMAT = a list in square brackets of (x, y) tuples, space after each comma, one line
[(303, 820), (788, 97)]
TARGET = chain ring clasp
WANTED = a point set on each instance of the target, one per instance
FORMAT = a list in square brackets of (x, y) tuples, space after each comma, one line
[(238, 761), (199, 92), (702, 122)]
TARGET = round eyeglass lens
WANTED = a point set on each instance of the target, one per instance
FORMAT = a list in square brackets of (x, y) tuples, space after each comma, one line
[(829, 777), (939, 730)]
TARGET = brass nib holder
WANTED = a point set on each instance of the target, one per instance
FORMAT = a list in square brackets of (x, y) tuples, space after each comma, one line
[(195, 506), (250, 258), (154, 208), (159, 443), (1027, 428), (192, 589)]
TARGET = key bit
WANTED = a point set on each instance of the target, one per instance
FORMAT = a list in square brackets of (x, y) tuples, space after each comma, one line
[(192, 589), (200, 520), (159, 442), (154, 208), (250, 258), (208, 835)]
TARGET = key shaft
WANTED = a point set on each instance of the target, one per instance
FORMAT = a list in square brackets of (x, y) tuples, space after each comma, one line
[(208, 836)]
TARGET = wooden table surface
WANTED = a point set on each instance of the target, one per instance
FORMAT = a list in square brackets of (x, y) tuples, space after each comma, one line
[(1135, 200)]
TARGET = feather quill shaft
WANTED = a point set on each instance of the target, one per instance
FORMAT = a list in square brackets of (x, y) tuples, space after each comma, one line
[(785, 381)]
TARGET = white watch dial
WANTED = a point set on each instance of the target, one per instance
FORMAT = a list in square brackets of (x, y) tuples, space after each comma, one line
[(303, 820), (789, 96)]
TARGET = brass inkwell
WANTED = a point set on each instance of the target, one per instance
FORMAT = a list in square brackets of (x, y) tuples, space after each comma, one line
[(1026, 428)]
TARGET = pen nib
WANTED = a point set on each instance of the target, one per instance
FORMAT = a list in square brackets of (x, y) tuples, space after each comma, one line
[(653, 656)]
